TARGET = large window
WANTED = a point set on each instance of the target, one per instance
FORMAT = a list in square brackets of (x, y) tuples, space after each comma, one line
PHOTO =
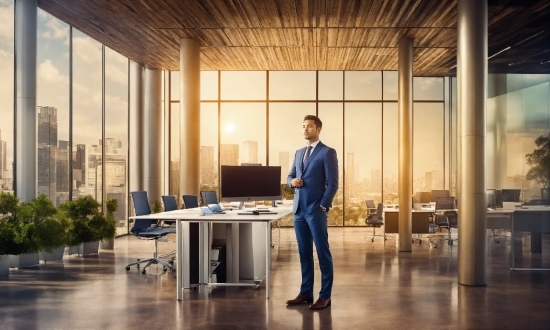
[(256, 117), (116, 134), (53, 108), (6, 95)]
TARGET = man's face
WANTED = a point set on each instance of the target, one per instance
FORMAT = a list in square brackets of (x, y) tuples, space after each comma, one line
[(311, 132)]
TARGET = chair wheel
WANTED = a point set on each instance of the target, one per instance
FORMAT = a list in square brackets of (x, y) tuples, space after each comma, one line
[(164, 269), (171, 262), (173, 270), (143, 271), (127, 268), (257, 287), (372, 239), (420, 242), (272, 245)]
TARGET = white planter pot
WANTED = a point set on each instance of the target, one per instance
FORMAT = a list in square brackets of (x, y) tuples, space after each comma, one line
[(24, 260), (107, 245), (4, 265), (56, 254), (85, 248)]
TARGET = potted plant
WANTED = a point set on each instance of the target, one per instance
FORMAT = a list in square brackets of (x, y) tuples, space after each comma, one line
[(109, 227), (88, 224), (8, 206), (20, 224), (539, 162), (82, 213), (51, 229)]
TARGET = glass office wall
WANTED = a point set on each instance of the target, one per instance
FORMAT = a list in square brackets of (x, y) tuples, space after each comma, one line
[(6, 95), (390, 152), (116, 134), (525, 101)]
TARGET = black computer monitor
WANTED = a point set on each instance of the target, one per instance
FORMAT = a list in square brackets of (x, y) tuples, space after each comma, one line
[(498, 198), (250, 183), (511, 195), (439, 193), (490, 198)]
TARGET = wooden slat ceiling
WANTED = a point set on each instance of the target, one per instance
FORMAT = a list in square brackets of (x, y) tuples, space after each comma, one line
[(309, 34)]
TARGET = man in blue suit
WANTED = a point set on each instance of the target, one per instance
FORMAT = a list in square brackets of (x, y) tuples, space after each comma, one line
[(314, 177)]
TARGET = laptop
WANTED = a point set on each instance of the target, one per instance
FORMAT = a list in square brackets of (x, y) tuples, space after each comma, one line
[(216, 208)]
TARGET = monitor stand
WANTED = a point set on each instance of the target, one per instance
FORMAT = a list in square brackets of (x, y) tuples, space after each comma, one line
[(273, 203), (241, 205)]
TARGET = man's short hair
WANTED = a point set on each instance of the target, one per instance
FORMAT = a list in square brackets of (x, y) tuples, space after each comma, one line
[(316, 119)]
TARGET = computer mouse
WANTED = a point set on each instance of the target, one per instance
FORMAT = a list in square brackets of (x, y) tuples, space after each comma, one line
[(255, 212)]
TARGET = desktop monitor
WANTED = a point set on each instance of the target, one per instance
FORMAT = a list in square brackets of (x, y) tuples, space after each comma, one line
[(439, 193), (490, 198), (250, 183), (498, 198), (511, 195)]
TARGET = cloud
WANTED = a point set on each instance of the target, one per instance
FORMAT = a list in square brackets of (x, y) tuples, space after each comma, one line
[(48, 73), (6, 27), (56, 29), (115, 73), (87, 50)]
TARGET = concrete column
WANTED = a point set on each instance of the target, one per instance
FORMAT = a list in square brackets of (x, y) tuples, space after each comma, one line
[(25, 99), (135, 129), (189, 117), (472, 98), (152, 134), (405, 83)]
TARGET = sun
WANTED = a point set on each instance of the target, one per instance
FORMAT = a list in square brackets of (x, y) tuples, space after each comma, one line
[(230, 128)]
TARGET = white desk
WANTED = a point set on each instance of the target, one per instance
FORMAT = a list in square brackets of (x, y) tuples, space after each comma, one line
[(184, 217)]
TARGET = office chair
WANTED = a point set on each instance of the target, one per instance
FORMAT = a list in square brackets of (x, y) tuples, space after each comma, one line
[(447, 217), (190, 201), (374, 218), (170, 204), (147, 229), (208, 197)]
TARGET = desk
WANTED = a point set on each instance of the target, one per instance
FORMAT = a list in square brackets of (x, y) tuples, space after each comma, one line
[(535, 220), (420, 221), (184, 217)]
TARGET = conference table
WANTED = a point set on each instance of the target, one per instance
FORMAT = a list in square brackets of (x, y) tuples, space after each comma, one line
[(186, 216)]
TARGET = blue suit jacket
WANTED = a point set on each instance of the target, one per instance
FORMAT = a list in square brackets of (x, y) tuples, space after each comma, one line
[(320, 175)]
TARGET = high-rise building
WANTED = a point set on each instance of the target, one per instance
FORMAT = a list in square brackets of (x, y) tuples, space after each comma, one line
[(284, 162), (62, 172), (47, 126), (94, 172), (115, 180), (229, 154), (79, 166), (207, 165), (249, 152)]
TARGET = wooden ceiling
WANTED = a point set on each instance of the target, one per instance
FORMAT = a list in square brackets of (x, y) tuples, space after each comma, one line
[(309, 34)]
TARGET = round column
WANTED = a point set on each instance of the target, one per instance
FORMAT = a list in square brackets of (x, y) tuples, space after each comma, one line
[(405, 67), (472, 98), (25, 99), (189, 117)]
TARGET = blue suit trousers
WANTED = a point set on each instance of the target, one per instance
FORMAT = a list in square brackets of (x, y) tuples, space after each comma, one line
[(312, 228)]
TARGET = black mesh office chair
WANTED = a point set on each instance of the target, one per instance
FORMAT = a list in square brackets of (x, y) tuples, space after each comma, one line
[(190, 201), (375, 218), (147, 229), (445, 216)]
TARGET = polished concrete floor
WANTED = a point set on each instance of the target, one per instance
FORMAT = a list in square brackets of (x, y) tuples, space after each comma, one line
[(375, 287)]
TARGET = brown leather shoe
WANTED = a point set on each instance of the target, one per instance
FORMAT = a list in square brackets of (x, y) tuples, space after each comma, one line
[(301, 299), (320, 304)]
